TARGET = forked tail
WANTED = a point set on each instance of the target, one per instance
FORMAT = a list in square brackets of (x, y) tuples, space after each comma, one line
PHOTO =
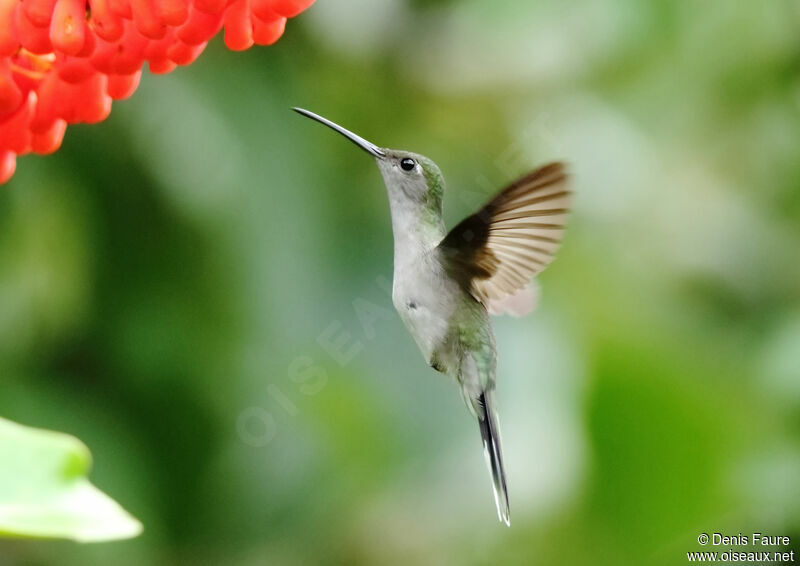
[(490, 433)]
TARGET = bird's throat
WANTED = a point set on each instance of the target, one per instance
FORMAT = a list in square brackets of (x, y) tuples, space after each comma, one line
[(416, 229)]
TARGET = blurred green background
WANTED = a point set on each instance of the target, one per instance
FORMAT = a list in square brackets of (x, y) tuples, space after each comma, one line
[(169, 280)]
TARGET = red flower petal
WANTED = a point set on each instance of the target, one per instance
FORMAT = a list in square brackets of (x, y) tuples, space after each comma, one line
[(49, 140), (68, 26), (10, 93), (39, 12), (210, 6), (8, 163), (75, 69), (9, 44), (14, 132), (120, 87), (174, 12), (33, 38), (106, 24), (267, 33), (182, 54), (290, 8), (64, 61), (148, 19), (200, 27), (238, 27)]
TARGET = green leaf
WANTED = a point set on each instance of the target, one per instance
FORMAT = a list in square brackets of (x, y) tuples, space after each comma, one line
[(44, 491)]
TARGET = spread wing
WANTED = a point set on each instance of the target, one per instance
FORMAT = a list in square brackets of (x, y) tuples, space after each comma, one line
[(498, 250)]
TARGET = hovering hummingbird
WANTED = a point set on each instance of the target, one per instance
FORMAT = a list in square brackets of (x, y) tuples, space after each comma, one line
[(447, 283)]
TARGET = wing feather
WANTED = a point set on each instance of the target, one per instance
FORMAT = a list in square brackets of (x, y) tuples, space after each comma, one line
[(498, 250)]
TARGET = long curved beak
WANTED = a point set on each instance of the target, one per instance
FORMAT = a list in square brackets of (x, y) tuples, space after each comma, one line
[(369, 147)]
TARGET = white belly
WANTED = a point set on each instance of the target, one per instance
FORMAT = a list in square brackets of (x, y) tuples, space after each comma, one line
[(426, 298)]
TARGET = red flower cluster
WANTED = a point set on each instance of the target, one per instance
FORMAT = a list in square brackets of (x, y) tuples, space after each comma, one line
[(64, 61)]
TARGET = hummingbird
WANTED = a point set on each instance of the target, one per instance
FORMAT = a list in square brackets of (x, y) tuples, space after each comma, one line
[(446, 284)]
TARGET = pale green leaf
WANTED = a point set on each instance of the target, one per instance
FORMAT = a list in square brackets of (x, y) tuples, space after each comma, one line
[(44, 491)]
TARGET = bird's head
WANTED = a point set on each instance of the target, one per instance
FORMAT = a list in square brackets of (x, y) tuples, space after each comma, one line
[(408, 176)]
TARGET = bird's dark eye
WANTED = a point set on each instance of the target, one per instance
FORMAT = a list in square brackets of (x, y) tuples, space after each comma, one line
[(407, 163)]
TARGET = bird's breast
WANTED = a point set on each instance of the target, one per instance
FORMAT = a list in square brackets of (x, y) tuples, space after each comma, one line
[(426, 301)]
